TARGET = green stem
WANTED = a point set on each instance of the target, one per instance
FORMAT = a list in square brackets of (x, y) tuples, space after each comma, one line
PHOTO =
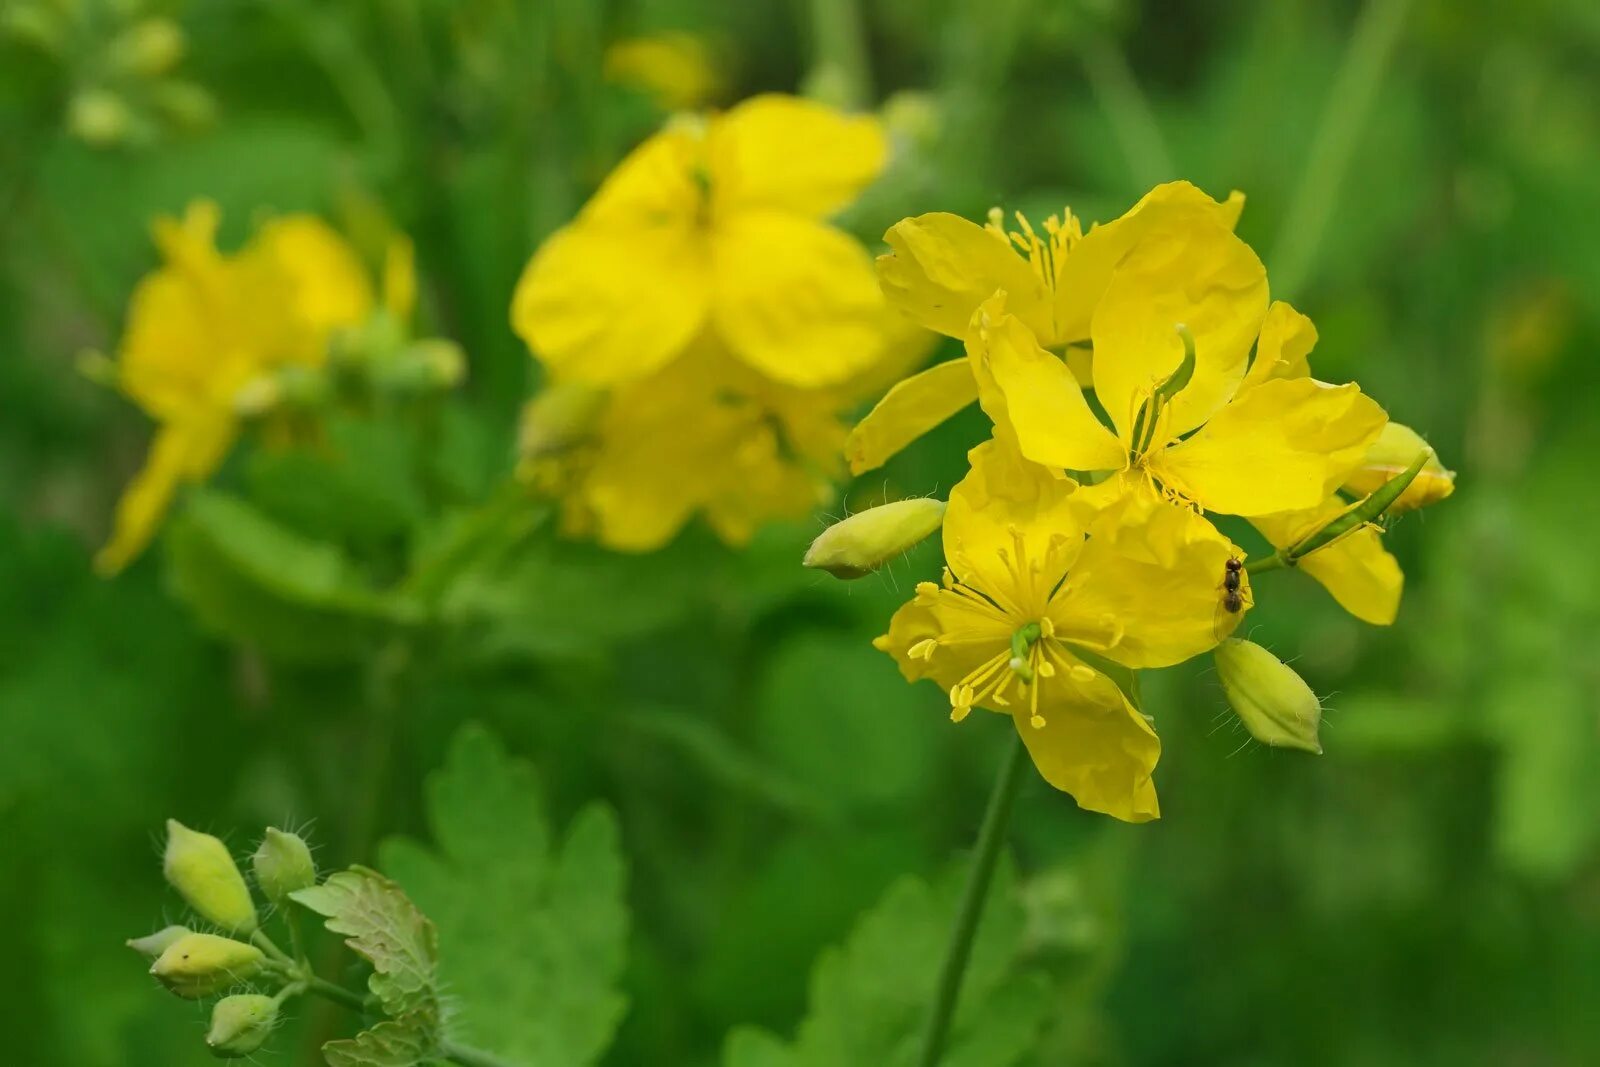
[(1350, 100), (336, 993), (471, 1057), (265, 944), (1133, 123), (841, 50), (995, 820), (1266, 563)]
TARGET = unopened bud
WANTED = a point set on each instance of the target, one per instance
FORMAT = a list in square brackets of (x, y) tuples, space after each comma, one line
[(241, 1024), (199, 867), (560, 417), (283, 864), (153, 945), (868, 539), (197, 966), (1272, 701), (184, 104), (99, 117), (1394, 450), (149, 47)]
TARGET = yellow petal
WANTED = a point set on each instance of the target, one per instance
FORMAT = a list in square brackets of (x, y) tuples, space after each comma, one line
[(793, 155), (1285, 445), (795, 299), (658, 183), (1094, 746), (178, 454), (1082, 276), (1394, 450), (1360, 573), (1037, 396), (913, 407), (921, 618), (1151, 575), (1287, 338), (676, 69), (1193, 272), (605, 304), (1003, 497), (327, 285), (942, 267)]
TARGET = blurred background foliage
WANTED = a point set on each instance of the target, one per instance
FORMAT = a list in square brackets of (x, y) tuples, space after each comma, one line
[(1421, 180)]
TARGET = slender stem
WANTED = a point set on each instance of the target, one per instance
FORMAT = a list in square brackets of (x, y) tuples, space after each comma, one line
[(265, 944), (1266, 563), (468, 1056), (990, 837), (1350, 100), (841, 49), (1133, 123), (336, 993)]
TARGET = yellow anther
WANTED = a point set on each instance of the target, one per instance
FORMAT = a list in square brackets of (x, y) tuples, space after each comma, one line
[(923, 649), (1046, 627), (1037, 722), (1046, 669), (959, 713), (1080, 673), (927, 588)]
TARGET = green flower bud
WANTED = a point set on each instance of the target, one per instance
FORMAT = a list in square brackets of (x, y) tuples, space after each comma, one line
[(183, 103), (198, 866), (560, 417), (283, 864), (153, 945), (197, 966), (1272, 701), (149, 47), (868, 539), (241, 1024), (99, 117)]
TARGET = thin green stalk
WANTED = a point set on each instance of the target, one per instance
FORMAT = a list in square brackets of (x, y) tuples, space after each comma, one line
[(841, 50), (1133, 122), (990, 837), (471, 1057), (1355, 87), (336, 993)]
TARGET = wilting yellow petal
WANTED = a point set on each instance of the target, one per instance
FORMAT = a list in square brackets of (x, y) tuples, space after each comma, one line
[(795, 299), (1287, 338), (1152, 573), (1197, 274), (1285, 445), (1094, 746), (1082, 276), (1036, 396), (793, 155), (606, 304), (1360, 573), (942, 267), (913, 407), (178, 454), (1394, 450)]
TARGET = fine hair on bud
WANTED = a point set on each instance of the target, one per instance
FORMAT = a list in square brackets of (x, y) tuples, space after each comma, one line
[(241, 1024), (197, 966), (865, 541), (283, 864), (1274, 703)]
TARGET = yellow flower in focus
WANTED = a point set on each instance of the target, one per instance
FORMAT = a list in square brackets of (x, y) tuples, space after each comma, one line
[(715, 226), (1356, 569), (203, 327), (1038, 587), (675, 69), (1172, 335), (942, 267)]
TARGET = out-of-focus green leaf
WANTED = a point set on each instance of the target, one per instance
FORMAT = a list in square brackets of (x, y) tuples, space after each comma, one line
[(869, 997), (533, 932), (359, 485)]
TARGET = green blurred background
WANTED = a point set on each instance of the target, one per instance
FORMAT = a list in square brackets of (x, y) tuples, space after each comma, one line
[(1422, 181)]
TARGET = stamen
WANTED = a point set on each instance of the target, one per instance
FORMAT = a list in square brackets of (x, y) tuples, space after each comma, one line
[(923, 649)]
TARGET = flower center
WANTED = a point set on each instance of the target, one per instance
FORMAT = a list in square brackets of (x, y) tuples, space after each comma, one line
[(1061, 232)]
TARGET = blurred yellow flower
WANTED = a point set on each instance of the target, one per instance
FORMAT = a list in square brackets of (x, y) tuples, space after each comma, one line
[(714, 226), (206, 325), (1038, 587), (942, 267), (674, 68)]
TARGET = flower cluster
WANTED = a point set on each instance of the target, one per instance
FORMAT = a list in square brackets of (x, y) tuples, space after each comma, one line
[(1139, 381), (702, 327), (214, 339)]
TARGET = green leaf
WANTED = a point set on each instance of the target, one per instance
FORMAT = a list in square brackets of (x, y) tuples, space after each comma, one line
[(533, 931), (869, 997), (383, 927), (256, 581), (389, 1044)]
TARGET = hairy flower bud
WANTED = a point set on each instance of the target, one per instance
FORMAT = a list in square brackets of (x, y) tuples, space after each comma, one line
[(153, 945), (868, 539), (1272, 701), (241, 1024), (283, 864), (197, 966), (99, 117), (1394, 450), (199, 867)]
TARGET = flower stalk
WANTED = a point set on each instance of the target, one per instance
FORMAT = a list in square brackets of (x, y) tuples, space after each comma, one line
[(1358, 515), (996, 818)]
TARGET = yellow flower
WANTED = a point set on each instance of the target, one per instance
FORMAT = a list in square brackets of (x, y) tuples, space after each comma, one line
[(1356, 569), (207, 324), (943, 267), (1037, 589), (714, 226), (1172, 337), (675, 69), (1392, 453)]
